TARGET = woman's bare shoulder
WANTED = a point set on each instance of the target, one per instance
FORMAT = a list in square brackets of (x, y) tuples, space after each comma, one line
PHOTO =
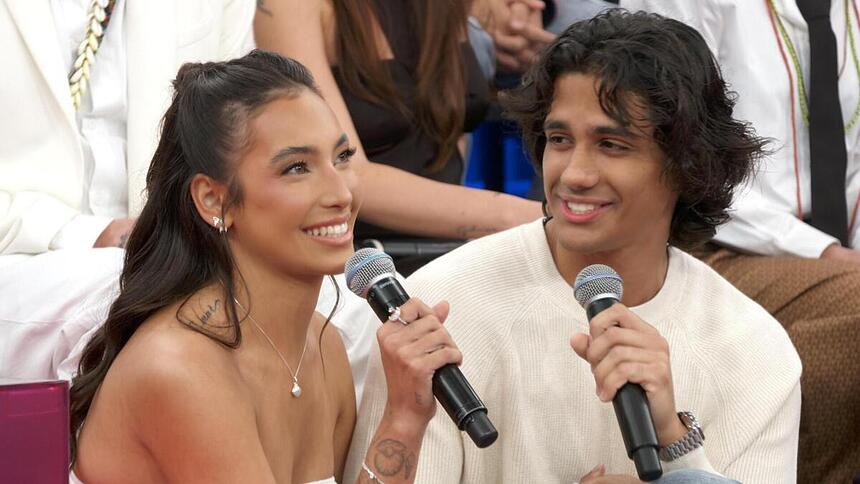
[(181, 346), (179, 388)]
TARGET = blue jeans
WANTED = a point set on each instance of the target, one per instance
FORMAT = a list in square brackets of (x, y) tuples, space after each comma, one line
[(692, 476)]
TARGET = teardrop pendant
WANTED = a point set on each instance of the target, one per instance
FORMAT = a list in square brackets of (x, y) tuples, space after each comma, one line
[(297, 390)]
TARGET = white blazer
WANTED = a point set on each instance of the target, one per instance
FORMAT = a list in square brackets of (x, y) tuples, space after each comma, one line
[(41, 157)]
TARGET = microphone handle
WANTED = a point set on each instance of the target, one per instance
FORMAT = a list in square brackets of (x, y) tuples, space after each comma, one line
[(450, 386), (634, 417)]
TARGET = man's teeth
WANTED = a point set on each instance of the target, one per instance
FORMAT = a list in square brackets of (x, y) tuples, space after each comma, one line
[(581, 207), (329, 230)]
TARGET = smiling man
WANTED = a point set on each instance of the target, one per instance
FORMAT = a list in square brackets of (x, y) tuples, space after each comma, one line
[(630, 121)]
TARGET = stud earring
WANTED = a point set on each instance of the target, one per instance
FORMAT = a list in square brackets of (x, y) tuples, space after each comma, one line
[(219, 224)]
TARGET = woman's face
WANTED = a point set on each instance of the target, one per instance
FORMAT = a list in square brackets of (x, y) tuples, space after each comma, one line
[(299, 191)]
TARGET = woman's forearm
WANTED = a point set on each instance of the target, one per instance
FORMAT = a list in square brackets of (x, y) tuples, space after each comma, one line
[(405, 202)]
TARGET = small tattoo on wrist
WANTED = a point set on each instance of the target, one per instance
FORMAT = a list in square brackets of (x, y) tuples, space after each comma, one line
[(393, 457)]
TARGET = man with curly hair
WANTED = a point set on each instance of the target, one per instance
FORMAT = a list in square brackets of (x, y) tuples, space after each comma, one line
[(631, 124)]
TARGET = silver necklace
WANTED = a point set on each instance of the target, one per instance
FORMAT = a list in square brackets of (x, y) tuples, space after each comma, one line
[(296, 390)]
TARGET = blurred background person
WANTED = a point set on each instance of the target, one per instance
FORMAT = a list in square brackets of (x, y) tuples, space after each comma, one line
[(89, 82)]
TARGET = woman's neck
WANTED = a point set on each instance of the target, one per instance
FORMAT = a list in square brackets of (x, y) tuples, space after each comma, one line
[(279, 304)]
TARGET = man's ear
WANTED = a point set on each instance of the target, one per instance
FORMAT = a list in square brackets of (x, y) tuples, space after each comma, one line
[(209, 195)]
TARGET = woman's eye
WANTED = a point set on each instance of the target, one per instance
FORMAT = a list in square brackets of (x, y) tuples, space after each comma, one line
[(296, 168), (345, 156)]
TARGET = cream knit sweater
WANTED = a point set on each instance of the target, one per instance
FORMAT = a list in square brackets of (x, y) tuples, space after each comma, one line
[(512, 315)]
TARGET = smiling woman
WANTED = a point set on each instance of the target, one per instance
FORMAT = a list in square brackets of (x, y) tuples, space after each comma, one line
[(212, 365)]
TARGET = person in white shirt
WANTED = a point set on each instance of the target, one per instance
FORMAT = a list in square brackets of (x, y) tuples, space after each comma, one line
[(631, 124), (770, 250)]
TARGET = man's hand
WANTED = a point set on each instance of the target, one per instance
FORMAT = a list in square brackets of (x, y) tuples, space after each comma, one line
[(516, 27), (116, 233), (622, 348), (837, 252)]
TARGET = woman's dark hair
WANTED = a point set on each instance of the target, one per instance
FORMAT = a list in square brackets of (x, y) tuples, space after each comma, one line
[(172, 252), (665, 67), (441, 85)]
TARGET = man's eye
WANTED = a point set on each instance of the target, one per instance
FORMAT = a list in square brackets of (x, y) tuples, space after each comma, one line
[(613, 145), (555, 139)]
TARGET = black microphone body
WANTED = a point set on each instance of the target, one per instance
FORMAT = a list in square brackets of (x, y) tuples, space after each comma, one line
[(634, 415), (450, 387)]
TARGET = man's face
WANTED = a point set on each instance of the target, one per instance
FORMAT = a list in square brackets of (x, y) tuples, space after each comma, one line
[(602, 180)]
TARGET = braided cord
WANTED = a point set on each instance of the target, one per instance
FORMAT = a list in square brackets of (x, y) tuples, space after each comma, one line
[(801, 83), (850, 28), (97, 21)]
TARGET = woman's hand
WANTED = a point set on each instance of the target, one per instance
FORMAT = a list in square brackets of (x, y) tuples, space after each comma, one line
[(622, 348), (411, 353)]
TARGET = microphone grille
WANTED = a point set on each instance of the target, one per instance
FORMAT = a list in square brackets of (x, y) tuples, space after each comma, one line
[(364, 266), (594, 280)]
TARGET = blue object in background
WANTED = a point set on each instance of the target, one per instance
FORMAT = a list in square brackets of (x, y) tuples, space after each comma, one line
[(497, 160)]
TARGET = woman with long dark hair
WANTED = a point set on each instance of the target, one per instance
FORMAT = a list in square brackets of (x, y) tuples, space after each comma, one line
[(212, 365), (405, 84)]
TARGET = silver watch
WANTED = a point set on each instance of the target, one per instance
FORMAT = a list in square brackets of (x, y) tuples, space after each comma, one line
[(693, 439)]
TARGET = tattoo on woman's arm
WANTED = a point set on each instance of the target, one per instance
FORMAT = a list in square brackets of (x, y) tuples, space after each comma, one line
[(475, 231), (392, 457)]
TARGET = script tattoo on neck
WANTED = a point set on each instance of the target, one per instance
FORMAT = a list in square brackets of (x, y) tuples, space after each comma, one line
[(392, 457), (211, 309), (262, 8)]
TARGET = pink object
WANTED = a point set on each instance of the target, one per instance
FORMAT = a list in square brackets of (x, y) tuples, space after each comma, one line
[(34, 432)]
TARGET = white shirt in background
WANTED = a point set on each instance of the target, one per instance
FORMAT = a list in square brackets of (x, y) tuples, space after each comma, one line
[(740, 33), (101, 122)]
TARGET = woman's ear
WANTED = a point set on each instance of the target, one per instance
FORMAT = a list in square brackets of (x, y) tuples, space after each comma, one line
[(209, 195)]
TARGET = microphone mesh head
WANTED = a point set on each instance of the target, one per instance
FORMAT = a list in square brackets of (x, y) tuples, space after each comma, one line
[(364, 266), (594, 280)]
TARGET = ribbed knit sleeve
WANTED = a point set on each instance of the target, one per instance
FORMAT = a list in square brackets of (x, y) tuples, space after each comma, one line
[(753, 419)]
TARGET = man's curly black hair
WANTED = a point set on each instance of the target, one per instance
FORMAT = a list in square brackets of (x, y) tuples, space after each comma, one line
[(665, 67)]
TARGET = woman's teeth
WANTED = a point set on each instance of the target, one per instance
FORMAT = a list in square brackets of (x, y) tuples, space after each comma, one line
[(581, 207), (329, 230)]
